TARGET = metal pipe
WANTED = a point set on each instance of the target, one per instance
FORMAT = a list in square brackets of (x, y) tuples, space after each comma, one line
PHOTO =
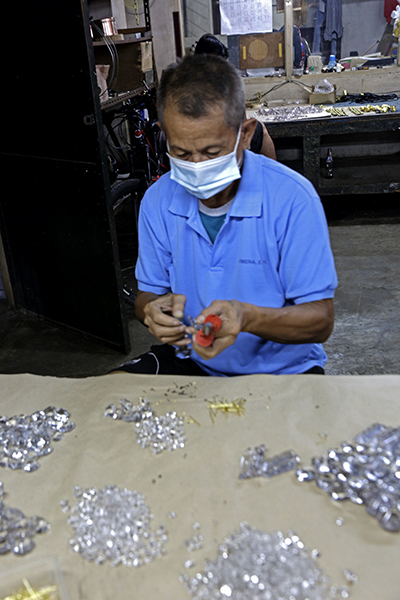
[(289, 39)]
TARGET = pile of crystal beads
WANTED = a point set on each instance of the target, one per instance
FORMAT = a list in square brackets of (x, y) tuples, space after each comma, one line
[(113, 524), (287, 113), (254, 564), (16, 530), (365, 471), (159, 433), (255, 463), (26, 438)]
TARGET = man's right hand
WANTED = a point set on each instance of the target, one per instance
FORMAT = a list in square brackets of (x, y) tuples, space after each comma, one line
[(162, 315)]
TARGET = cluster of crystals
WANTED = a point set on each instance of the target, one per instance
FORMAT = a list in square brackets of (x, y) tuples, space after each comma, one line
[(365, 471), (16, 530), (254, 463), (288, 113), (196, 541), (159, 433), (25, 438), (113, 524), (254, 564)]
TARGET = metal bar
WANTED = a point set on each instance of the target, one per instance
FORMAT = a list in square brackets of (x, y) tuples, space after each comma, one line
[(289, 39)]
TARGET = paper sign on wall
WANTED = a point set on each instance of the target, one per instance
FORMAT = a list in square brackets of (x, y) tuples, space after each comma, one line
[(245, 16), (147, 56)]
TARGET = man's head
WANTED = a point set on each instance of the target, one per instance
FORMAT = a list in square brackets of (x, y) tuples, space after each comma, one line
[(201, 108), (209, 44), (196, 85)]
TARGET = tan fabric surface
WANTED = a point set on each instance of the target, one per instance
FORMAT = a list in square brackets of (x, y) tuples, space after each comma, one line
[(200, 483)]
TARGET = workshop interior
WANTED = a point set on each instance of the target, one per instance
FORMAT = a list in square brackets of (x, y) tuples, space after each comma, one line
[(322, 78), (132, 487)]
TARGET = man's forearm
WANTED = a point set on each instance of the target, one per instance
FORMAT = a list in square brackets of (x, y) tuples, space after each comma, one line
[(311, 322), (142, 299)]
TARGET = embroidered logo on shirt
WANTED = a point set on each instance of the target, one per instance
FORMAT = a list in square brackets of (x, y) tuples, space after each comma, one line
[(252, 261)]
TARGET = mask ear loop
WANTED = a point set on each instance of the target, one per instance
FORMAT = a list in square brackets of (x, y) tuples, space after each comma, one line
[(239, 162)]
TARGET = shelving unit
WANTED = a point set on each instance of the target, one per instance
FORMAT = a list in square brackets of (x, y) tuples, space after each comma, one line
[(130, 75)]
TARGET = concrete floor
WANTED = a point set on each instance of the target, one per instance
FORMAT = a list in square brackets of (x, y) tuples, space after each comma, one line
[(365, 237)]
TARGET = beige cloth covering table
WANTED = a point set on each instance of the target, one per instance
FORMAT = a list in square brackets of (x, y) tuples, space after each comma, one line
[(200, 482)]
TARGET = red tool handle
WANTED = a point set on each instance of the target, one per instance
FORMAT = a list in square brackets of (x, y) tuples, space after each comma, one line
[(213, 323)]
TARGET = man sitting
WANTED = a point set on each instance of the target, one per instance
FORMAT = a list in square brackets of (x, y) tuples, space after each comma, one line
[(231, 233)]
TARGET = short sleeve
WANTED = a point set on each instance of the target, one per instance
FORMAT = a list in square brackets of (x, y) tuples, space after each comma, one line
[(152, 267), (307, 269)]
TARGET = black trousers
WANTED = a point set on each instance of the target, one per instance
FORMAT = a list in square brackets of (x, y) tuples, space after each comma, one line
[(161, 360)]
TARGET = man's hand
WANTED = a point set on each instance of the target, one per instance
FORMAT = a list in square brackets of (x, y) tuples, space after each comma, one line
[(310, 322), (230, 314), (162, 315)]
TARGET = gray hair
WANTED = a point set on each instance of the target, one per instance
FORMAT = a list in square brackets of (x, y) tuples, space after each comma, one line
[(200, 82)]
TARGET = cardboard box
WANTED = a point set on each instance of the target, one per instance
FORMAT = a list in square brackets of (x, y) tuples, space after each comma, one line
[(329, 98)]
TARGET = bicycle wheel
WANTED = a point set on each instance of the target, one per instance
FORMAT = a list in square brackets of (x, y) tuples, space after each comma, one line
[(125, 191), (126, 196)]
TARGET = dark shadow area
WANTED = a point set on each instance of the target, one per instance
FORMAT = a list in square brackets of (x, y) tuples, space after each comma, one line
[(368, 209)]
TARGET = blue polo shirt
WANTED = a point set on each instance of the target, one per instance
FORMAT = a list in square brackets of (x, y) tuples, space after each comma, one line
[(272, 250)]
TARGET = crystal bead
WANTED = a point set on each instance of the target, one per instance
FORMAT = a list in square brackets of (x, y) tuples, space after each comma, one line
[(24, 546), (64, 505), (350, 576), (189, 564), (390, 520)]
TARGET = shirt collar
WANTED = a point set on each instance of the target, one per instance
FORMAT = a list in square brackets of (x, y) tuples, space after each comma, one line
[(248, 199)]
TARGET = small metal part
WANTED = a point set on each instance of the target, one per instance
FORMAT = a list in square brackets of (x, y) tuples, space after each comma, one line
[(205, 336), (183, 351)]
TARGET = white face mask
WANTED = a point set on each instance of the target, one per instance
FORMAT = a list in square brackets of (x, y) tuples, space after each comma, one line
[(207, 178)]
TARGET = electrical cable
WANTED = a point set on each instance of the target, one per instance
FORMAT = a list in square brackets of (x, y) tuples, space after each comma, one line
[(113, 53), (258, 97)]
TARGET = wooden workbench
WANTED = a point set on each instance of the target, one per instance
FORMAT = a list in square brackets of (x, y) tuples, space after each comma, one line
[(365, 174)]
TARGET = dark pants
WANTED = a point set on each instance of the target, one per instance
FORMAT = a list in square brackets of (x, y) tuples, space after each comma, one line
[(161, 360)]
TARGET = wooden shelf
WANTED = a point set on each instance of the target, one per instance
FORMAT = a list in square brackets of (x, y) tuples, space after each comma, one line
[(146, 38)]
